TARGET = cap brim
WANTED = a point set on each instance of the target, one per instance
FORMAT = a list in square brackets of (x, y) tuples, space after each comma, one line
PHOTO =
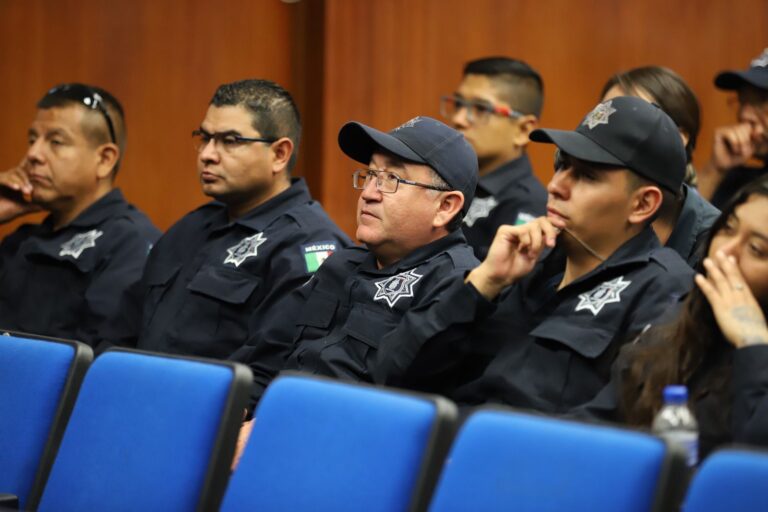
[(359, 142), (732, 80), (576, 145)]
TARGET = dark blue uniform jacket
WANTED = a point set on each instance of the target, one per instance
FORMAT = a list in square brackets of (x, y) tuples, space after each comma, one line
[(70, 283), (210, 283), (510, 194)]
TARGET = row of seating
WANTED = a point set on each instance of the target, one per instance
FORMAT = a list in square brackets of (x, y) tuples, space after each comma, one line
[(139, 431)]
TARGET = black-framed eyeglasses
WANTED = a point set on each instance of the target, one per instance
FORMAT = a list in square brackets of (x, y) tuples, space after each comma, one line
[(228, 141), (477, 111), (89, 98), (386, 181)]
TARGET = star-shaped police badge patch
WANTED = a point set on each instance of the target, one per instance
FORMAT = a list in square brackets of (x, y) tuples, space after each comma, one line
[(600, 114), (410, 123), (479, 208), (396, 287), (602, 294), (77, 244), (247, 248)]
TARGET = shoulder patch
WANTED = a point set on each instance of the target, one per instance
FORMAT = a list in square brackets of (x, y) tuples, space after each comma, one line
[(524, 218), (317, 252)]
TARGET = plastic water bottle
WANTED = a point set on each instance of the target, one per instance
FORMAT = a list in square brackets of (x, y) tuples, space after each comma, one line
[(675, 422)]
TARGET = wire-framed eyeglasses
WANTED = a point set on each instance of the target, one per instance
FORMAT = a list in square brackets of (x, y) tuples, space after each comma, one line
[(228, 141), (478, 112), (386, 181), (89, 98)]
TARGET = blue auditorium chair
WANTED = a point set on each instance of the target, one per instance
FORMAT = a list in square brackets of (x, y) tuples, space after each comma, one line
[(730, 480), (322, 445), (149, 432), (39, 379), (504, 460)]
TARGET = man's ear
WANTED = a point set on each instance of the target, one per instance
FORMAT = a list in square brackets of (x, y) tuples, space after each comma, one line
[(450, 205), (526, 125), (107, 155), (282, 149), (646, 201)]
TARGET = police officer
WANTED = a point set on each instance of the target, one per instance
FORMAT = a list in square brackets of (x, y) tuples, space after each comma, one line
[(414, 185), (217, 274), (735, 145), (496, 107), (560, 319), (67, 276)]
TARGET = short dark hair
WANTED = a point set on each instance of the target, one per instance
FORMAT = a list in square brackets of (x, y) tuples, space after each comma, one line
[(97, 132), (272, 108), (521, 86), (669, 91)]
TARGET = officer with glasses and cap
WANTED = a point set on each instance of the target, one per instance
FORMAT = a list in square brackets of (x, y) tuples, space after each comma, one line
[(739, 151), (67, 276), (496, 107), (415, 183)]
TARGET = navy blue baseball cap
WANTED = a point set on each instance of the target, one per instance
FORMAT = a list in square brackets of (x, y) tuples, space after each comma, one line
[(626, 132), (421, 140), (756, 75)]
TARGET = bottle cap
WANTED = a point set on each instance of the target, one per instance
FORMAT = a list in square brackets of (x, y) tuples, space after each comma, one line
[(675, 394)]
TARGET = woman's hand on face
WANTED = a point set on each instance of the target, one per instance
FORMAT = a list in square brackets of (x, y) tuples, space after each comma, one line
[(736, 310)]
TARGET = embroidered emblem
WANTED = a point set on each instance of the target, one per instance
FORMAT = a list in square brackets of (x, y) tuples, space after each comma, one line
[(316, 253), (409, 124), (761, 61), (600, 114), (602, 294), (247, 248), (523, 218), (80, 242), (396, 287), (479, 208)]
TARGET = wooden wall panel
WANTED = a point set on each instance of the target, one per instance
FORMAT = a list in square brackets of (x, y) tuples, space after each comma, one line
[(389, 60), (377, 61), (162, 58)]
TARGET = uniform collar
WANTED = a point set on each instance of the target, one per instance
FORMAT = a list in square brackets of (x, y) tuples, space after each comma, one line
[(696, 214), (637, 249), (504, 175), (417, 256), (259, 218), (96, 213)]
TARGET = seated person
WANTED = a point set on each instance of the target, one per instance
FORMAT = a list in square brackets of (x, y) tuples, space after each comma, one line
[(561, 319), (717, 344), (67, 276), (496, 106), (736, 148), (414, 187), (218, 273), (683, 222)]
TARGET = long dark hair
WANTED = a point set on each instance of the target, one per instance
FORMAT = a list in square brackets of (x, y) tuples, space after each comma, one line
[(679, 349)]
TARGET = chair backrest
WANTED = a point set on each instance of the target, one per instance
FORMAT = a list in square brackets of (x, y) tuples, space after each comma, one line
[(149, 432), (319, 444), (728, 480), (502, 460), (39, 379)]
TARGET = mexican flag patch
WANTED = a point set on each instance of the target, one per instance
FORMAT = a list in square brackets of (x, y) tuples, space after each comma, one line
[(316, 253)]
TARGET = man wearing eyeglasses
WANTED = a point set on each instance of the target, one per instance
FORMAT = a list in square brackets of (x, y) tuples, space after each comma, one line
[(736, 148), (67, 276), (416, 184), (496, 107), (218, 273)]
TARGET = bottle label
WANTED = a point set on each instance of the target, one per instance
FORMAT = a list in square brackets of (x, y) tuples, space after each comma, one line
[(688, 440)]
